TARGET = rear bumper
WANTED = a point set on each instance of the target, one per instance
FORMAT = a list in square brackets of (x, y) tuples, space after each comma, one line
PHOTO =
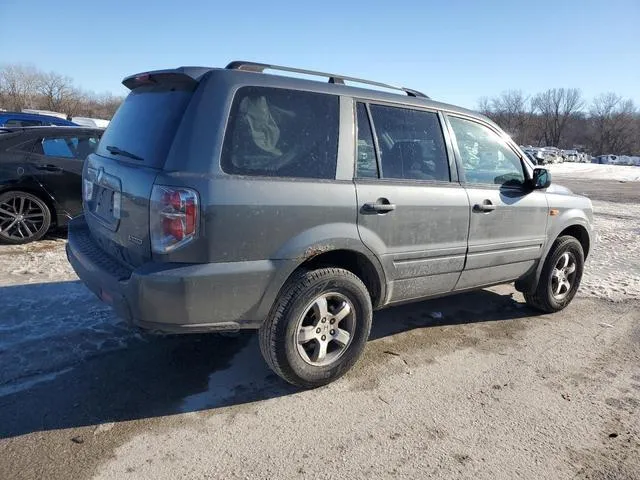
[(175, 298)]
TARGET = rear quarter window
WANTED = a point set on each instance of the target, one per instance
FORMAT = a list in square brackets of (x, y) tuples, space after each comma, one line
[(282, 133)]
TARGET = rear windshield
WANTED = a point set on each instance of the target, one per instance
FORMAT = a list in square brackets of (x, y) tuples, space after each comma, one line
[(145, 124)]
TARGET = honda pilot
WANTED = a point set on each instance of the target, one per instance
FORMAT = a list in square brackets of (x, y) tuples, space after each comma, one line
[(222, 199)]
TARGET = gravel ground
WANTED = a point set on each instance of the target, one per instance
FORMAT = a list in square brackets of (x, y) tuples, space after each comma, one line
[(476, 387)]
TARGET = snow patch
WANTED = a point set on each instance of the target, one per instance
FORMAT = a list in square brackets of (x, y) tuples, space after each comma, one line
[(613, 267), (595, 171)]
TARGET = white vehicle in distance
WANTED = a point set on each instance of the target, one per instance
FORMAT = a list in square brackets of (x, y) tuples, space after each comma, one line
[(90, 122), (552, 155)]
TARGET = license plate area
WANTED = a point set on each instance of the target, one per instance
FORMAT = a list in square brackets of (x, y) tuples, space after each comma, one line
[(103, 197)]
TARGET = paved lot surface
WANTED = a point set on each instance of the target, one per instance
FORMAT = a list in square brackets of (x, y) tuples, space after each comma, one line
[(606, 190), (473, 386)]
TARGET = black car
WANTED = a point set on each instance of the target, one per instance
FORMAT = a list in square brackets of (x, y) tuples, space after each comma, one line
[(41, 178)]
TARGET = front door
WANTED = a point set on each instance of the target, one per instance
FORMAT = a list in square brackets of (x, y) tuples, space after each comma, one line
[(508, 220), (412, 213)]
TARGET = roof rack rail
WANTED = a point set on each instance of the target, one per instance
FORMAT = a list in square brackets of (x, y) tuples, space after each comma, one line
[(333, 78)]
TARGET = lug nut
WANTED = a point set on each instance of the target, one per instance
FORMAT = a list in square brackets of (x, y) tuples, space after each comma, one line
[(324, 337), (324, 320), (332, 332), (332, 321), (317, 330)]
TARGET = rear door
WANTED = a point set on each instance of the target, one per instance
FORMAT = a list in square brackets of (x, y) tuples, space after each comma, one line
[(412, 211), (508, 220), (119, 177), (57, 161)]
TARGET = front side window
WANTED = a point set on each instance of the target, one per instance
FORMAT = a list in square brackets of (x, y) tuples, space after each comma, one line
[(282, 133), (485, 157), (411, 144)]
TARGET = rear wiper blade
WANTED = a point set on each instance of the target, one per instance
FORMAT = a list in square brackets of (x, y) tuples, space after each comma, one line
[(118, 151)]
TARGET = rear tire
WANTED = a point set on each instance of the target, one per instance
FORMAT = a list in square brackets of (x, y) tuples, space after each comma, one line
[(560, 276), (24, 218), (318, 327)]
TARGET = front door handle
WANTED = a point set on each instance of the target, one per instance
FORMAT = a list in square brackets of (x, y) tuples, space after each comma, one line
[(486, 206), (382, 205)]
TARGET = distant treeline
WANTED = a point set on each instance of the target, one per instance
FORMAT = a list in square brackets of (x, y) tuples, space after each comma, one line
[(561, 117), (24, 86)]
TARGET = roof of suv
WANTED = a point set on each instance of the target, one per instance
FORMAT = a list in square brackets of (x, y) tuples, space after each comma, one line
[(335, 85)]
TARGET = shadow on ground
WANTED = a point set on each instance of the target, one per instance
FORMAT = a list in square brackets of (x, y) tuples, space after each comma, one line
[(154, 376)]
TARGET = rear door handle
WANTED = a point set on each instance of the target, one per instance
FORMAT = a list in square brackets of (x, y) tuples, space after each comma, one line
[(381, 206), (485, 206), (48, 168)]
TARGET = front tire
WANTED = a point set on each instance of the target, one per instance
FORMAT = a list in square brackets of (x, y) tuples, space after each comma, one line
[(24, 218), (560, 276), (318, 327)]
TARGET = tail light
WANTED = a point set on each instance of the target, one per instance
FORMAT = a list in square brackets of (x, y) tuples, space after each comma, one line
[(173, 218)]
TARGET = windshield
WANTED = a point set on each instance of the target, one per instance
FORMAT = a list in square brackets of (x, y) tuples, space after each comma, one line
[(145, 124)]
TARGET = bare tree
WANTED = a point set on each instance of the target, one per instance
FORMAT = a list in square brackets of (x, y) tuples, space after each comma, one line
[(18, 86), (555, 107), (614, 121), (57, 93), (484, 106), (511, 111)]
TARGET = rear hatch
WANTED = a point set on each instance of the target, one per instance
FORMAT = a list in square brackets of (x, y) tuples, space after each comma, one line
[(119, 177)]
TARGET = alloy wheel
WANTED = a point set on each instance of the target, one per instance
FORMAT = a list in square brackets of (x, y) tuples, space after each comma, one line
[(20, 217), (325, 329)]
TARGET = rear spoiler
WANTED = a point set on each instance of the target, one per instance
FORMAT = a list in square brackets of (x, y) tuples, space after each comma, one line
[(188, 76)]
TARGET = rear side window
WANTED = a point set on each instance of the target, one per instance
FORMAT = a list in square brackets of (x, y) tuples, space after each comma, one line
[(146, 123), (67, 147), (411, 144), (58, 147), (282, 133)]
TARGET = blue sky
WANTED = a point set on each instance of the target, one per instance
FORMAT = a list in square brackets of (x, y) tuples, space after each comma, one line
[(455, 51)]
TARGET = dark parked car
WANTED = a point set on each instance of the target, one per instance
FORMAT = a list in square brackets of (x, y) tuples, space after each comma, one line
[(41, 178), (221, 199), (24, 119)]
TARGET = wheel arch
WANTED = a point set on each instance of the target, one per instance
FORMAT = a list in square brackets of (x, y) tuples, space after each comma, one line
[(362, 264), (578, 230), (580, 233), (357, 263)]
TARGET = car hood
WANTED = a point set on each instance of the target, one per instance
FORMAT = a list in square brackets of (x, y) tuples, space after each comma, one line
[(559, 189)]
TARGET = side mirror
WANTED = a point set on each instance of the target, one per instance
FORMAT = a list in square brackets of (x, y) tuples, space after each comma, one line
[(541, 178)]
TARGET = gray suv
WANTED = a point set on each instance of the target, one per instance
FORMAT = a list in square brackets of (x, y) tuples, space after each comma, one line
[(227, 199)]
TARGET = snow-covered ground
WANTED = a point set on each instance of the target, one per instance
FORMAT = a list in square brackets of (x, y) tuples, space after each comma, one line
[(613, 268), (49, 321), (40, 262), (595, 171)]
